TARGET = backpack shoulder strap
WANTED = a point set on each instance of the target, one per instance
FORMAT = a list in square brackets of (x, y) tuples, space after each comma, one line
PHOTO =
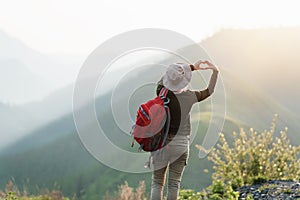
[(163, 92)]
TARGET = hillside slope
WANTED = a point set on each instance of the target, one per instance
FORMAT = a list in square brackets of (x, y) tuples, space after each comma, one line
[(76, 171)]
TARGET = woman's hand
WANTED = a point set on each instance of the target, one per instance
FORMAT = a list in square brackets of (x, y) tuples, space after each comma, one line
[(197, 65), (209, 65)]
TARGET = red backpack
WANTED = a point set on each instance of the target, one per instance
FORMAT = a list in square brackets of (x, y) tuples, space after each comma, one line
[(152, 123)]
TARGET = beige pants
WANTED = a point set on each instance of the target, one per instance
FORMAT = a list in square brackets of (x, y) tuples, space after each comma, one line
[(172, 158)]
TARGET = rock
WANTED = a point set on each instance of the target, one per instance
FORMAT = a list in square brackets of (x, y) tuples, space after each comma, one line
[(274, 189)]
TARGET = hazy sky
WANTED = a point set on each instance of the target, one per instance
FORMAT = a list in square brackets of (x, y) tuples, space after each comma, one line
[(65, 26)]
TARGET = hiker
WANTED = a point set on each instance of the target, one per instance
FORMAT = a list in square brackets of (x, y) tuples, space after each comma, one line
[(175, 154)]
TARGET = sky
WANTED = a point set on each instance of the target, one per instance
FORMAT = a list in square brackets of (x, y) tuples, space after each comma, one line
[(78, 27)]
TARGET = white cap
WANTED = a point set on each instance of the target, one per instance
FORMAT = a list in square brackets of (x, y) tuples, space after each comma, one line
[(177, 76)]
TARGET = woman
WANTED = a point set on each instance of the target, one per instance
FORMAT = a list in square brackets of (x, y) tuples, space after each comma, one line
[(174, 156)]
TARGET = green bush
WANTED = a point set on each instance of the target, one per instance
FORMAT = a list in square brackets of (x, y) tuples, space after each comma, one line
[(219, 190), (255, 157), (10, 196), (189, 194)]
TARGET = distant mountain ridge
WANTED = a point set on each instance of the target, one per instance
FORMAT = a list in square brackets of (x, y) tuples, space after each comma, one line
[(20, 121), (50, 147), (266, 58), (53, 153), (29, 83), (52, 71), (19, 84)]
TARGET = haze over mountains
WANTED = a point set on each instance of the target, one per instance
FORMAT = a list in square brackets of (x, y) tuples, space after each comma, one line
[(266, 58), (19, 83), (28, 75), (260, 73), (34, 88)]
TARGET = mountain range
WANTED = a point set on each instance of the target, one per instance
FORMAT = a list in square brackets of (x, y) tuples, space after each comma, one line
[(28, 75), (52, 155), (35, 88)]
